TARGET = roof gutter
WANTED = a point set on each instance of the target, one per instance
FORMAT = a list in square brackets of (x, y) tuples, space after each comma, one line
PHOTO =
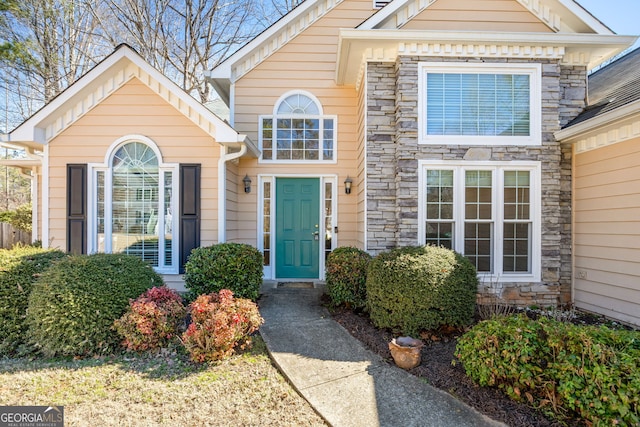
[(608, 118), (26, 166), (357, 46)]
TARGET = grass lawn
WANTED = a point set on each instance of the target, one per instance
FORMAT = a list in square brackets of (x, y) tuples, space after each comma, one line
[(162, 390)]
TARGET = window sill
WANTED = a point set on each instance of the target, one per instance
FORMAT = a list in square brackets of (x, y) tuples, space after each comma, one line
[(490, 141), (486, 278)]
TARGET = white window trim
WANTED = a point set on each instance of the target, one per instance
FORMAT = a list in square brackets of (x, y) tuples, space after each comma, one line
[(534, 71), (297, 92), (497, 212), (92, 196), (320, 117), (269, 271)]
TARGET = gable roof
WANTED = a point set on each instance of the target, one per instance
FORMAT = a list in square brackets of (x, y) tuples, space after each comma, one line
[(595, 42), (122, 65), (558, 15), (267, 43)]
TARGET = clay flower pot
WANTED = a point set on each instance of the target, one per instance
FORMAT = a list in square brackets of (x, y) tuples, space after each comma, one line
[(406, 351)]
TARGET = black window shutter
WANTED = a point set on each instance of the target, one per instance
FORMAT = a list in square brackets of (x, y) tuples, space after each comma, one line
[(189, 211), (77, 208)]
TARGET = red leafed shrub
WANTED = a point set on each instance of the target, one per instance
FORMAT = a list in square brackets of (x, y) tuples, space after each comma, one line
[(220, 323), (152, 320)]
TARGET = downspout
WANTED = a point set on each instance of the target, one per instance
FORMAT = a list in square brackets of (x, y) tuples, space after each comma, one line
[(30, 152), (34, 204), (222, 188), (33, 179), (45, 198), (573, 224)]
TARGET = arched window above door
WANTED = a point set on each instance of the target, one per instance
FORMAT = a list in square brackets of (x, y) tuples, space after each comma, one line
[(298, 131)]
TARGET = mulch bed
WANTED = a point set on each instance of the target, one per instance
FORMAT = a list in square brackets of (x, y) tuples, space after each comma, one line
[(437, 369)]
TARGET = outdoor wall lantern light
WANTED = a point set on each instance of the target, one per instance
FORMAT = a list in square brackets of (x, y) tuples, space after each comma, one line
[(247, 183), (347, 185)]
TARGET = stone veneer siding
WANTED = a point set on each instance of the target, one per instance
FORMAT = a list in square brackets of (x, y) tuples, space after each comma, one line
[(393, 153)]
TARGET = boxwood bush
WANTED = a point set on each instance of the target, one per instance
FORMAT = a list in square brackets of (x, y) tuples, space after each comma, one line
[(75, 302), (570, 371), (346, 277), (19, 269), (419, 288), (233, 266)]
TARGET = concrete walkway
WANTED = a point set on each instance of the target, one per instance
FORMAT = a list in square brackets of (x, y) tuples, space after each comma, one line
[(345, 383)]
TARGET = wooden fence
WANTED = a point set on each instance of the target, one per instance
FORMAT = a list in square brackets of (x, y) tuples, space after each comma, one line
[(9, 236)]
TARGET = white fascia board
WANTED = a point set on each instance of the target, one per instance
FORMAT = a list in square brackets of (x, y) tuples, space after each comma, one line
[(32, 130), (223, 70), (224, 132), (542, 39), (21, 145), (576, 131), (383, 14), (29, 130), (571, 6), (244, 140), (20, 163), (385, 43), (585, 16)]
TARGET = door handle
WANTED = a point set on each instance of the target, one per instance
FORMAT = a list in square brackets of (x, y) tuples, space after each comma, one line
[(316, 235)]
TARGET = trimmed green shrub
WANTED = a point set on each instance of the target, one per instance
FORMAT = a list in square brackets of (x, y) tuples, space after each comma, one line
[(569, 371), (412, 289), (220, 323), (346, 277), (233, 266), (75, 302), (19, 269), (152, 320)]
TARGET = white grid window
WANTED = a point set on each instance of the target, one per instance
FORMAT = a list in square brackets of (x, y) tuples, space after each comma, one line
[(488, 211), (298, 131)]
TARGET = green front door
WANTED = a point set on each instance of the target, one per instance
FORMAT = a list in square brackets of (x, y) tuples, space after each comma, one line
[(297, 232)]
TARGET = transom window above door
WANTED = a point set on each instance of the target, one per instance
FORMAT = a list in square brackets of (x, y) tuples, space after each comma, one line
[(298, 131)]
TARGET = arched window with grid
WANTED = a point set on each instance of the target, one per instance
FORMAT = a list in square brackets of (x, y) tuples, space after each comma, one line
[(298, 131)]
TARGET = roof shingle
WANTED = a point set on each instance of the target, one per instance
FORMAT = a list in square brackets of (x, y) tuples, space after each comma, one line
[(612, 87)]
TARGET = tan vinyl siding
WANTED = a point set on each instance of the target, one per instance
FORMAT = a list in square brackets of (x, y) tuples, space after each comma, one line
[(233, 198), (305, 63), (607, 231), (477, 15), (133, 110)]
